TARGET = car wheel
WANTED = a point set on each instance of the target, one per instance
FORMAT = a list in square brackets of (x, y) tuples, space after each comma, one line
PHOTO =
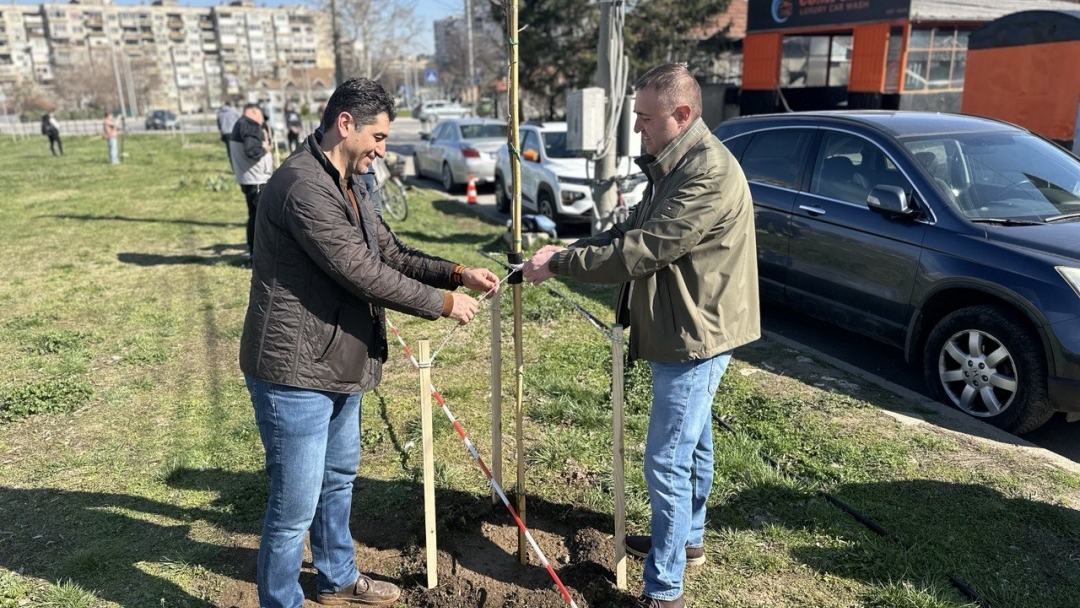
[(502, 201), (447, 178), (984, 361), (545, 204)]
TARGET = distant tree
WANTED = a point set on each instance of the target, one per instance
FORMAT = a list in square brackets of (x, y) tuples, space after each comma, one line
[(556, 46), (374, 34), (667, 31), (88, 85)]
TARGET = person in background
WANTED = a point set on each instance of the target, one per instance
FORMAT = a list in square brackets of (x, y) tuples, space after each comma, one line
[(325, 269), (226, 120), (294, 124), (686, 260), (51, 129), (109, 131), (249, 151)]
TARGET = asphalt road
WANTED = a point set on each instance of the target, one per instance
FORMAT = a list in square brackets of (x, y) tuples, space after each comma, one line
[(872, 357)]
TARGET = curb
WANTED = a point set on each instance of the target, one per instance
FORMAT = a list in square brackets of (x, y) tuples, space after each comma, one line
[(950, 420)]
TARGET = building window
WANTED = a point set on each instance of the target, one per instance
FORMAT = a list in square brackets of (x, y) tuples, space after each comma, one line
[(815, 61), (936, 59)]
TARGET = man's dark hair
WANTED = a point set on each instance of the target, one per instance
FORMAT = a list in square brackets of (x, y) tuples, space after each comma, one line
[(676, 86), (250, 106), (362, 98)]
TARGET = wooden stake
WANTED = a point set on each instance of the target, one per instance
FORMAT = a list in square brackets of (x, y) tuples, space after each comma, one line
[(429, 463), (496, 395), (618, 453)]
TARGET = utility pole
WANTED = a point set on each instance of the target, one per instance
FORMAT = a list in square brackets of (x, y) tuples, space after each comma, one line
[(131, 86), (336, 38), (605, 194), (119, 86), (469, 39)]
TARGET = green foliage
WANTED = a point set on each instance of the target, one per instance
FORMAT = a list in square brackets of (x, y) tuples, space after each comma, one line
[(13, 590), (46, 396), (55, 342), (665, 31), (67, 594)]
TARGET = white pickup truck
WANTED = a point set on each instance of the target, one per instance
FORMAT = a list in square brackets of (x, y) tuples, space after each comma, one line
[(556, 182)]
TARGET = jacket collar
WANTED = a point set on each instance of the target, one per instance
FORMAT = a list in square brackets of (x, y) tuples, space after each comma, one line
[(313, 146), (656, 167)]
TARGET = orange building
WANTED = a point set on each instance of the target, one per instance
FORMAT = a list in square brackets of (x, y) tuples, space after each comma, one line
[(1024, 68), (864, 54)]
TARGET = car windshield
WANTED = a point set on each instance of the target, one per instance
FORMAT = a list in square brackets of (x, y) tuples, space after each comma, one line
[(555, 145), (1001, 176), (483, 131)]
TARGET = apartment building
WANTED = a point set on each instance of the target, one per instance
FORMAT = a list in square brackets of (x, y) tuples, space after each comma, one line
[(169, 56)]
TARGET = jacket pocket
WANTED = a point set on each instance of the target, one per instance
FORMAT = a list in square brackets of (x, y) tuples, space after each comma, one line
[(335, 335), (346, 356)]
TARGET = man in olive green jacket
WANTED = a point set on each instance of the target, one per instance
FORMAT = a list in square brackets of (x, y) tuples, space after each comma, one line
[(686, 260)]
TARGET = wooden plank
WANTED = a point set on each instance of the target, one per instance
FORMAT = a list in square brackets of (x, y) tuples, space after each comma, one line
[(618, 463), (429, 464)]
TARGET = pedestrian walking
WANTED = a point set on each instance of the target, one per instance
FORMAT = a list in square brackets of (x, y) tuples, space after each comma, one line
[(109, 131), (325, 268), (226, 120), (51, 129), (686, 260), (295, 124)]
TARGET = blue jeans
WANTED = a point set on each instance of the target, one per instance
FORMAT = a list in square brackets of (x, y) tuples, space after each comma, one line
[(312, 442), (679, 466), (113, 158)]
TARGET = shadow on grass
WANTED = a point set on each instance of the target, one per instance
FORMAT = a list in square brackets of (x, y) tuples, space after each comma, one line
[(453, 208), (152, 220), (157, 259), (1012, 551)]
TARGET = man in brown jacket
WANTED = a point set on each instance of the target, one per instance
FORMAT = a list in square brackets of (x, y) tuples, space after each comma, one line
[(324, 269), (687, 263)]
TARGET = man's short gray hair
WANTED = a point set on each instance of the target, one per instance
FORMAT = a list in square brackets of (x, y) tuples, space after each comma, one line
[(676, 87)]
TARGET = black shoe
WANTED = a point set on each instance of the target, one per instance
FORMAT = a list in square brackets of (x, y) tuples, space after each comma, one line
[(650, 602), (639, 546), (364, 592)]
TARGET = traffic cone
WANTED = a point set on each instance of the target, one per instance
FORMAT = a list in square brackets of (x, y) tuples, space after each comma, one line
[(470, 191)]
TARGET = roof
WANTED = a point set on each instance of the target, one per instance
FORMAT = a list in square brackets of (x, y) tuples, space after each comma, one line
[(981, 10), (1028, 27)]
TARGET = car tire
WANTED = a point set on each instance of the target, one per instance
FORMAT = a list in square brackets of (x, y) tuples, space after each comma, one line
[(545, 204), (448, 178), (984, 361), (502, 201)]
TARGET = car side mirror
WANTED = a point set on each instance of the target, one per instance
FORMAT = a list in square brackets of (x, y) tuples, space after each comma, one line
[(891, 200), (531, 155), (425, 136)]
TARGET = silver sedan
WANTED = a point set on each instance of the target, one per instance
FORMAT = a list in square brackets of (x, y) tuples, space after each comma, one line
[(458, 148)]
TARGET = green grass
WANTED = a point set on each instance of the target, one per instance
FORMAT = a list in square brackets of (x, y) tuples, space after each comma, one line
[(132, 467)]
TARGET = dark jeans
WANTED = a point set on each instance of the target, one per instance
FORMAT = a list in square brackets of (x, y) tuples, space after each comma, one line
[(228, 153), (54, 141), (251, 196), (294, 141)]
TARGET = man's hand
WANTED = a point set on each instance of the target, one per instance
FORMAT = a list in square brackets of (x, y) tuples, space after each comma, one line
[(536, 268), (464, 308), (480, 279)]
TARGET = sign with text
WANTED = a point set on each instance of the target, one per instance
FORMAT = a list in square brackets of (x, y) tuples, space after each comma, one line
[(767, 15)]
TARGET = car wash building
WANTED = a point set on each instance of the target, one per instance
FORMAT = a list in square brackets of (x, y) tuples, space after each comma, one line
[(864, 54), (1008, 75)]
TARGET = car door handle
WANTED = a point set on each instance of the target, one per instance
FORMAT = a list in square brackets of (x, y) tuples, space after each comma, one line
[(812, 209)]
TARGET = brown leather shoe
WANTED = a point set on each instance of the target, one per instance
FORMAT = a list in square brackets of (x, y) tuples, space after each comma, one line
[(650, 602), (639, 546), (364, 592)]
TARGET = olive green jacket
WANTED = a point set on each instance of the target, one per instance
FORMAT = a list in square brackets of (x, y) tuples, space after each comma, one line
[(686, 256)]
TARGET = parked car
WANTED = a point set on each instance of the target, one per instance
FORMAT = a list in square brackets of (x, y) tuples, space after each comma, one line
[(952, 237), (162, 119), (436, 110), (556, 182), (456, 149)]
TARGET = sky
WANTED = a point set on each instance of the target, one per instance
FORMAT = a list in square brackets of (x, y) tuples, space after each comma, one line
[(427, 10)]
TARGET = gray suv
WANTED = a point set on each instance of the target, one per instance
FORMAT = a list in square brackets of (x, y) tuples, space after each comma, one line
[(952, 237)]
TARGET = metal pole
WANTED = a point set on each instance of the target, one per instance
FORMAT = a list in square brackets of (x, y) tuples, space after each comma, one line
[(605, 196), (429, 464), (471, 82), (496, 394), (336, 38), (131, 86)]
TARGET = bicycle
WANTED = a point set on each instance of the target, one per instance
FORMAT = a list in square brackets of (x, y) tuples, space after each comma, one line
[(388, 173)]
